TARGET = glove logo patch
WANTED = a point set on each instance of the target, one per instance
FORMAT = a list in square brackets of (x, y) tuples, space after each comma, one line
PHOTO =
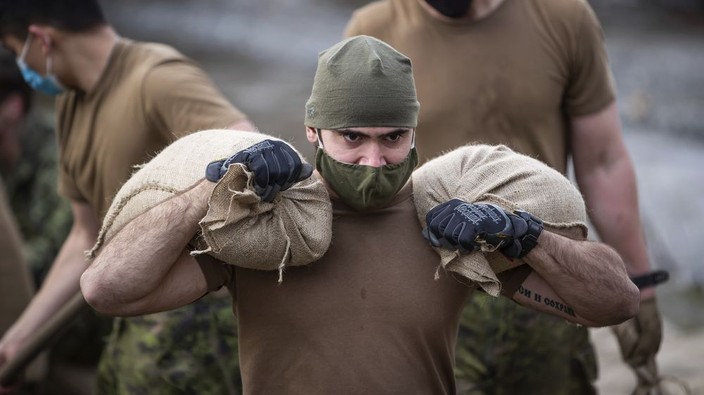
[(475, 215), (259, 147)]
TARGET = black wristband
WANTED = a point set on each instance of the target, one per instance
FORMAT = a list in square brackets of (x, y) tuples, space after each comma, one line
[(530, 239), (650, 279)]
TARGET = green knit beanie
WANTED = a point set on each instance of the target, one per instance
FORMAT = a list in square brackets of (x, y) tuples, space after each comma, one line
[(362, 81)]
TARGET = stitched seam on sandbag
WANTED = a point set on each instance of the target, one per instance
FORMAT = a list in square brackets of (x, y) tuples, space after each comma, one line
[(114, 213), (491, 198)]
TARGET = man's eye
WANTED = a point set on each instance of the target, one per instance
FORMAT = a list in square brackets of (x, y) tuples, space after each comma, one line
[(352, 137), (394, 137)]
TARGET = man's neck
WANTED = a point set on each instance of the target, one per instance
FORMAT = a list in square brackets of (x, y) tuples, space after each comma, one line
[(479, 9), (87, 56)]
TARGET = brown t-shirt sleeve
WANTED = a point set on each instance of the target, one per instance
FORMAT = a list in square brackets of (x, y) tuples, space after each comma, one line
[(66, 185), (216, 273), (512, 279), (371, 20), (179, 98), (353, 27), (590, 86)]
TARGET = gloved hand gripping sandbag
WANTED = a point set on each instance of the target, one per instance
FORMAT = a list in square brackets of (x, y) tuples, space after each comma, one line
[(293, 228), (467, 227), (493, 176), (275, 164)]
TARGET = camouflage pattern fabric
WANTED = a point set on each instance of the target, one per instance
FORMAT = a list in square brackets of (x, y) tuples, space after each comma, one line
[(506, 349), (191, 350)]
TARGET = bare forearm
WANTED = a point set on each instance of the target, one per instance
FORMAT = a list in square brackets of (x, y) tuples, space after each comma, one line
[(588, 276), (612, 199), (136, 261), (607, 180)]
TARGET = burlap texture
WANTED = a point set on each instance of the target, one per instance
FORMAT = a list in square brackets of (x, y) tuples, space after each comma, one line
[(293, 230), (496, 174), (239, 229)]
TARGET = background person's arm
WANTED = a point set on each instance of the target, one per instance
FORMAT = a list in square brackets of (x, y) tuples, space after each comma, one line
[(60, 285), (607, 180)]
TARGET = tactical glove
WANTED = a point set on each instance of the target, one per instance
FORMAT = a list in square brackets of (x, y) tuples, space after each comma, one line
[(639, 338), (276, 167), (648, 379), (466, 227)]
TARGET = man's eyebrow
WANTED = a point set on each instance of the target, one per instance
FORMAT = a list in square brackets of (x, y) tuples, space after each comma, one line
[(361, 133), (397, 131)]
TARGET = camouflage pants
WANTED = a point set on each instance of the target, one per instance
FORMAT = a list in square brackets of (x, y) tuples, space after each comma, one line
[(191, 350), (505, 349)]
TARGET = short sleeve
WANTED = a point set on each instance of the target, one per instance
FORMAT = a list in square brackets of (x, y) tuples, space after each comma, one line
[(216, 273), (512, 279), (590, 87), (372, 19), (353, 27), (66, 185), (179, 99)]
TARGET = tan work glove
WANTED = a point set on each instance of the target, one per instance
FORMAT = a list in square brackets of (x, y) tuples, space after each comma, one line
[(639, 340), (648, 379)]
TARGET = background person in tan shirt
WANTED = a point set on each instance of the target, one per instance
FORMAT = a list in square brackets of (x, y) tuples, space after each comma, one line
[(533, 75), (119, 102)]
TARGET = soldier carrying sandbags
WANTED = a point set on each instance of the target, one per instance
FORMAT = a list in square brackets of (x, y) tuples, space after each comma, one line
[(375, 308)]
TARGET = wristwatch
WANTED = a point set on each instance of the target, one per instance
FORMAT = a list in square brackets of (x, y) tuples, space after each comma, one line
[(530, 239)]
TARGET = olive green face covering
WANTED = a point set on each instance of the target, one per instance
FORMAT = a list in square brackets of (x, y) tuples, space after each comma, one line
[(365, 188)]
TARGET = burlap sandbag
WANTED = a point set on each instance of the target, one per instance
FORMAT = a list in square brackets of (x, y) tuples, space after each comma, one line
[(496, 174), (239, 229)]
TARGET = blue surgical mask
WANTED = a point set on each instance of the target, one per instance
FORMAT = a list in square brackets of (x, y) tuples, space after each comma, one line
[(47, 84)]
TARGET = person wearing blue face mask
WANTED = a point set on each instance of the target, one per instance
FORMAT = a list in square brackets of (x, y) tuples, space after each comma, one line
[(47, 84), (373, 314), (115, 106)]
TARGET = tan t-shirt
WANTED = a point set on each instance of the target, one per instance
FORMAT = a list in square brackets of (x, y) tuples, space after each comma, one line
[(511, 78), (367, 318), (148, 95)]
